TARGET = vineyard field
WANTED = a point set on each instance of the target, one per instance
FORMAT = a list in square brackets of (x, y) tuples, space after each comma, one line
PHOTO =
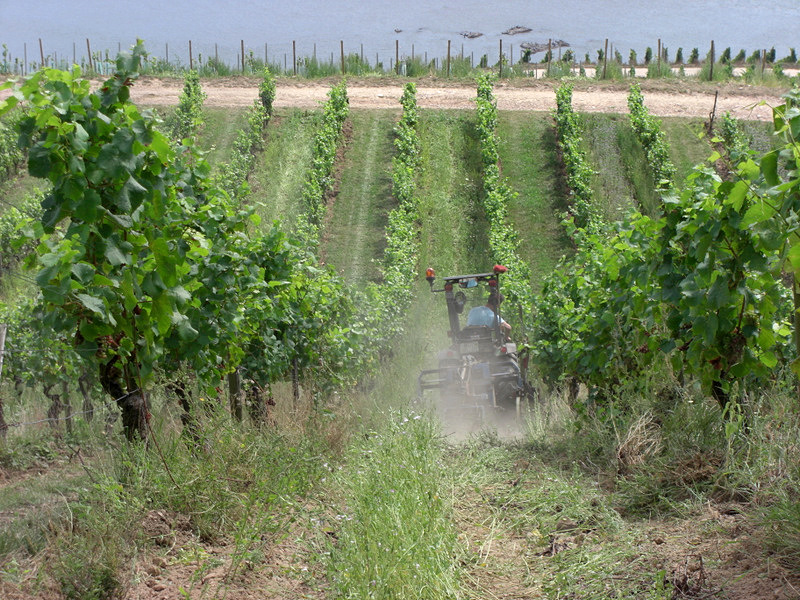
[(260, 321)]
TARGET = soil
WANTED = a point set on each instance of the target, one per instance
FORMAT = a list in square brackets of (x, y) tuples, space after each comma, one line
[(664, 98)]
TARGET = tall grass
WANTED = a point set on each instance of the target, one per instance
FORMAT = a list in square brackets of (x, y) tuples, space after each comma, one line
[(396, 539)]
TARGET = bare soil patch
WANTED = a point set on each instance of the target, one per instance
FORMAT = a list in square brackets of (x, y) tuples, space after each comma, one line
[(667, 98)]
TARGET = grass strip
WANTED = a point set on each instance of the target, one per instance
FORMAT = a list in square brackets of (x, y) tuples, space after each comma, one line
[(396, 539), (280, 170), (529, 157), (454, 234), (354, 236)]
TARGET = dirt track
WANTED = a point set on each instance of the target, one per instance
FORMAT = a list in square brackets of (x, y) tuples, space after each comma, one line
[(666, 100)]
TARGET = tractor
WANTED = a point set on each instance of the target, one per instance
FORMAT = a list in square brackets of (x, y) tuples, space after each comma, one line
[(480, 368)]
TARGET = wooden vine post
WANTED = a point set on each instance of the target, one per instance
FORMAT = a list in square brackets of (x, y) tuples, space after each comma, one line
[(500, 62), (191, 63), (397, 57), (711, 60), (658, 60), (88, 51), (448, 58), (341, 54), (294, 57), (235, 394), (605, 58), (242, 45), (3, 424), (3, 329)]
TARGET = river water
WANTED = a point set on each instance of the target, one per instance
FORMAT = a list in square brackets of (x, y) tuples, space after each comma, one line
[(269, 27)]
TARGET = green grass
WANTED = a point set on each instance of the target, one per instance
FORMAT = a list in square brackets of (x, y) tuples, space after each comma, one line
[(536, 528), (613, 191), (637, 170), (396, 540), (529, 162), (279, 174), (32, 507), (686, 147), (353, 236), (219, 131), (454, 234)]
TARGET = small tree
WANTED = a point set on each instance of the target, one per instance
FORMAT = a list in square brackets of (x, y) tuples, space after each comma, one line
[(679, 56), (648, 55)]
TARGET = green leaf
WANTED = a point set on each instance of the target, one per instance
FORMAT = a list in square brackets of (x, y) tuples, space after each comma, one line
[(768, 359), (718, 294), (769, 167), (162, 313), (186, 332), (759, 211), (93, 303), (794, 257), (84, 272), (165, 265), (737, 195), (114, 254)]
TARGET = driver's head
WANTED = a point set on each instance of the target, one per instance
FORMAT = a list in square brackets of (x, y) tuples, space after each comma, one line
[(495, 300)]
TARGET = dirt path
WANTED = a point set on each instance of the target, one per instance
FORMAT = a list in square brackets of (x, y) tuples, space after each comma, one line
[(664, 99)]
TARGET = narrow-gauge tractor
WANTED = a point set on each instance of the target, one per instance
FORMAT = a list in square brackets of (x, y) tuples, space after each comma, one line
[(480, 368)]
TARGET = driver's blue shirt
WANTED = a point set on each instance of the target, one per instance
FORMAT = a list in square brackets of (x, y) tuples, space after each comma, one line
[(482, 316)]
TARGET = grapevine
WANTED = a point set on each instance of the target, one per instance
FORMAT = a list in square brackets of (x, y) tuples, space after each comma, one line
[(503, 240), (579, 174), (648, 129)]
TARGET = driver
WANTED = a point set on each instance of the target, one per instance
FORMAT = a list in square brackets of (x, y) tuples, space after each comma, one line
[(486, 315)]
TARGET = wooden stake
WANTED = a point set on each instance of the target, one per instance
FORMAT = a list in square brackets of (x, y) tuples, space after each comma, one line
[(41, 53), (3, 329), (448, 58), (713, 113), (242, 44), (191, 61), (713, 60), (341, 52), (397, 57), (88, 50), (500, 62), (166, 49), (605, 59), (234, 393), (658, 61), (3, 424), (294, 57)]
